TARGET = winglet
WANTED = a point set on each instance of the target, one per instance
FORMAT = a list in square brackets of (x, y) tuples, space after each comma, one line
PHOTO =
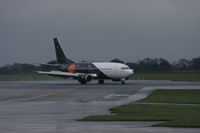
[(61, 58)]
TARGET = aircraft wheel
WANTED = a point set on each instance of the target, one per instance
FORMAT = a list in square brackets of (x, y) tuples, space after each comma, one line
[(123, 82), (83, 82), (101, 81)]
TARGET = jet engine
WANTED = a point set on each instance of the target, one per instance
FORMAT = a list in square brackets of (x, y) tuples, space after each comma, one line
[(83, 79), (88, 78)]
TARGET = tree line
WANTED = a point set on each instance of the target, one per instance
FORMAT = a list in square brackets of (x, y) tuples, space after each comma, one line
[(162, 65), (145, 65)]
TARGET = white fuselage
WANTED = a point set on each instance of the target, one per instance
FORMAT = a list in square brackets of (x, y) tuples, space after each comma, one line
[(113, 70)]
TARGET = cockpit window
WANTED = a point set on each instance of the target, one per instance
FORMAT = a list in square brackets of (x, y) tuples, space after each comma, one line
[(123, 68)]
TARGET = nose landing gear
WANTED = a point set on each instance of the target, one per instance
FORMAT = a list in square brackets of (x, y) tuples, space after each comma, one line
[(123, 81)]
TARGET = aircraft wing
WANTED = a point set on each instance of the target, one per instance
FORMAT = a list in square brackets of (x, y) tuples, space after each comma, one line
[(65, 74), (57, 65)]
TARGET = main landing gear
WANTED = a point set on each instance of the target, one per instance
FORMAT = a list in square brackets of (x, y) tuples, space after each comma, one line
[(83, 82), (101, 81)]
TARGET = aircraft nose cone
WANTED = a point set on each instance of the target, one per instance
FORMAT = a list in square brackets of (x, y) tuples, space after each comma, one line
[(131, 72)]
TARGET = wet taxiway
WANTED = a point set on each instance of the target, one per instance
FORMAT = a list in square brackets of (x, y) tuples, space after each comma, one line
[(55, 106)]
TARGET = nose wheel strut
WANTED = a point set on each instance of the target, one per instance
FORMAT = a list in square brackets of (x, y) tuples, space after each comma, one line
[(123, 81)]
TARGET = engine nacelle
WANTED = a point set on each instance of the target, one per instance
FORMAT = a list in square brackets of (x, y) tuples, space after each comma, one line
[(88, 78)]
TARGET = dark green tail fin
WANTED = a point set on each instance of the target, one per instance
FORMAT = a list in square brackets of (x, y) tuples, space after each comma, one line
[(61, 58)]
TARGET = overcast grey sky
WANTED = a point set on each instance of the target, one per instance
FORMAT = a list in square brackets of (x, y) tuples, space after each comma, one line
[(99, 29)]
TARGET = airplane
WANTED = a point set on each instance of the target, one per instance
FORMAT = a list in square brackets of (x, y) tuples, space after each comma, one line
[(86, 72)]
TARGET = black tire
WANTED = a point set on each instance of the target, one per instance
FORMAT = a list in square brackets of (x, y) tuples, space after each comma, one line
[(83, 82), (123, 82), (101, 81)]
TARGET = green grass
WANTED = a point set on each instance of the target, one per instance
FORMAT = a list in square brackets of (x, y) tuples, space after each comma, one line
[(26, 77), (174, 96), (171, 115), (187, 76)]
